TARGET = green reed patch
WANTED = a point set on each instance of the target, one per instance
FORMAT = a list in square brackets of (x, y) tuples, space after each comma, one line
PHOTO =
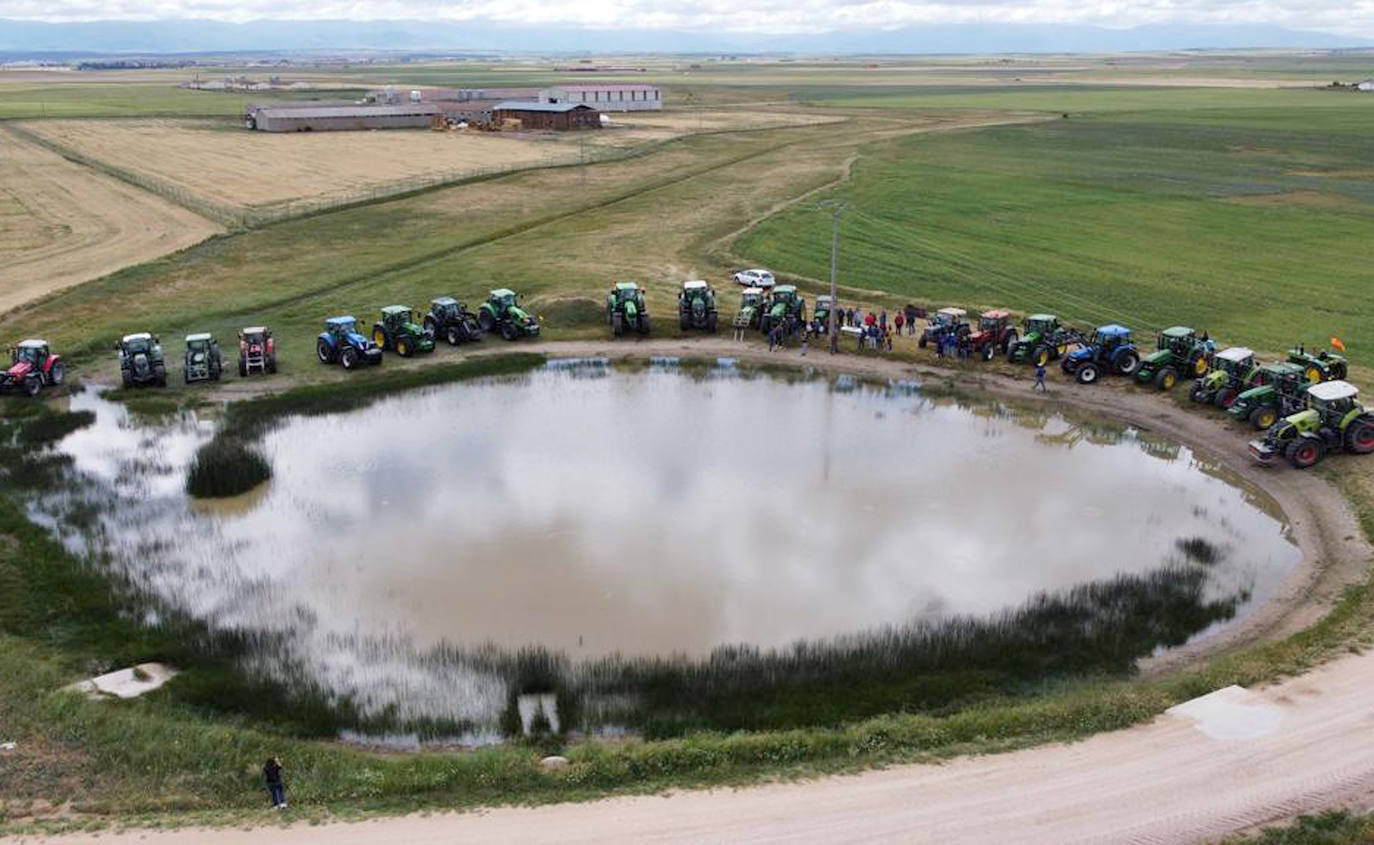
[(226, 466)]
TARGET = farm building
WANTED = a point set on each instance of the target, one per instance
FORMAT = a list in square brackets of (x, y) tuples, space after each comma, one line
[(557, 116), (613, 97), (331, 118)]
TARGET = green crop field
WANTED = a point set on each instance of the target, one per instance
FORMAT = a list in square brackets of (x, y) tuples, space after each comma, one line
[(130, 99), (1159, 208)]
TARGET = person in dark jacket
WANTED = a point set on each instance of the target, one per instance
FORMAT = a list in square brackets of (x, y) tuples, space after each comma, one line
[(276, 787)]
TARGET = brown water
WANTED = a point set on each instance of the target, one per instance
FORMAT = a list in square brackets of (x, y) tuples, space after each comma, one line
[(594, 511)]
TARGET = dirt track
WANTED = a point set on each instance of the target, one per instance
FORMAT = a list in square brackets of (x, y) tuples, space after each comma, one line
[(62, 224)]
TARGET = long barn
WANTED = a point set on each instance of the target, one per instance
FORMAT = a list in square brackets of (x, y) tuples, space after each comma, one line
[(557, 116), (334, 118)]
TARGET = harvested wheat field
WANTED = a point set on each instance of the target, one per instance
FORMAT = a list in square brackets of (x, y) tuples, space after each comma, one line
[(235, 169), (62, 224), (638, 127)]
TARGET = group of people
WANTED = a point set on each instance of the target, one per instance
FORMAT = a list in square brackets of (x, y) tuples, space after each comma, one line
[(903, 321), (954, 345), (871, 330)]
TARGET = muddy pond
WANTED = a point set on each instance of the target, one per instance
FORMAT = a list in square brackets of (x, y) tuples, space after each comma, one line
[(593, 511)]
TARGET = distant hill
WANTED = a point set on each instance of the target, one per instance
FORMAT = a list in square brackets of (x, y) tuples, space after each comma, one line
[(199, 36)]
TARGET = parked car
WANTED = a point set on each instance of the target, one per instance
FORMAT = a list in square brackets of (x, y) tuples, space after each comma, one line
[(754, 278)]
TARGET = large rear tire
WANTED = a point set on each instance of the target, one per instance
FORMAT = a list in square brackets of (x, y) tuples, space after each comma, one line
[(1359, 437), (379, 337), (1225, 398), (243, 368), (1199, 365), (1128, 363), (431, 327), (485, 320), (322, 351), (1314, 374), (617, 324), (160, 375), (643, 323), (711, 324), (126, 377), (57, 374)]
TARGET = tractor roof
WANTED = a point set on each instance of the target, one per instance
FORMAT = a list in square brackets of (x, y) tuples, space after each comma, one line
[(199, 337), (1330, 391), (953, 312), (626, 286), (1113, 330), (824, 298), (695, 284), (128, 338), (253, 330), (1042, 318), (443, 300), (395, 309), (1236, 354), (503, 292), (1178, 331), (748, 291), (997, 314), (340, 321), (785, 289), (32, 343)]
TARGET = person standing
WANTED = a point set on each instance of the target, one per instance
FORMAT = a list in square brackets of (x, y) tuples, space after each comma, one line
[(276, 787), (898, 320), (910, 318), (1040, 378), (882, 320)]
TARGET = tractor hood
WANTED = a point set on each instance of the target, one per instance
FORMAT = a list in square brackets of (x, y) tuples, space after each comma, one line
[(1308, 420), (1080, 353), (1159, 356), (21, 369), (358, 339), (1255, 394), (631, 309)]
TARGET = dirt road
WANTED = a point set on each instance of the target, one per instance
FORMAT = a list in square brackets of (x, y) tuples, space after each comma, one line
[(62, 224), (1240, 760)]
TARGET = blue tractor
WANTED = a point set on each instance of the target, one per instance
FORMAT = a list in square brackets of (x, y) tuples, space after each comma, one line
[(1109, 350), (342, 343)]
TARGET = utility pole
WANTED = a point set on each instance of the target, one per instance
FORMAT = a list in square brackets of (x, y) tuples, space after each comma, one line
[(835, 207)]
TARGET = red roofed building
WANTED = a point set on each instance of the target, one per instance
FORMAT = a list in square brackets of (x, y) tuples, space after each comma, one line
[(616, 96)]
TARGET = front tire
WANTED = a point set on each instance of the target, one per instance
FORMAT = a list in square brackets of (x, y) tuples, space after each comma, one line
[(1166, 378), (1041, 356), (349, 358), (508, 331), (1304, 453), (32, 386), (403, 347), (452, 336), (989, 352), (1263, 418), (243, 368), (1087, 373)]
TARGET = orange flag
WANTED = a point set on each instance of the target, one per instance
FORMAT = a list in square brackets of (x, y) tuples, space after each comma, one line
[(1336, 343)]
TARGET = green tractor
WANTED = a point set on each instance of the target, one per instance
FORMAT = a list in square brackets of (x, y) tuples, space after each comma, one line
[(784, 307), (398, 332), (1324, 366), (1179, 352), (1332, 421), (750, 308), (696, 306), (625, 309), (201, 361), (820, 315), (502, 313), (1278, 391), (1233, 371), (1042, 340)]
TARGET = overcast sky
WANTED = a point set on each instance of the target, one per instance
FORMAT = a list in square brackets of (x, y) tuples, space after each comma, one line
[(1350, 17)]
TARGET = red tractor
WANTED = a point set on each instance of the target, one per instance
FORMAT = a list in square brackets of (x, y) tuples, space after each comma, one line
[(32, 367), (257, 351), (996, 333)]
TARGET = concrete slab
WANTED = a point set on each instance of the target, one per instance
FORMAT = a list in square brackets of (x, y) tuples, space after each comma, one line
[(1231, 713)]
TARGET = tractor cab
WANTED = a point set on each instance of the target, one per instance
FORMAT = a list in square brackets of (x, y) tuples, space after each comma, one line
[(626, 291), (395, 317), (255, 336), (1041, 325), (198, 346), (1236, 361), (201, 361), (1179, 340), (341, 326), (785, 295), (993, 321), (1333, 400), (444, 307), (32, 352), (1109, 337), (257, 351), (949, 318), (695, 287), (502, 299), (751, 298), (140, 343)]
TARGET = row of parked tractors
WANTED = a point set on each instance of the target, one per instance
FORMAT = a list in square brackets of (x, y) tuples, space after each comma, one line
[(780, 305), (1303, 404)]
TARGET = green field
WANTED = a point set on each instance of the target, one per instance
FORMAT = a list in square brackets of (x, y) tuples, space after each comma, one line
[(1246, 222), (134, 99)]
